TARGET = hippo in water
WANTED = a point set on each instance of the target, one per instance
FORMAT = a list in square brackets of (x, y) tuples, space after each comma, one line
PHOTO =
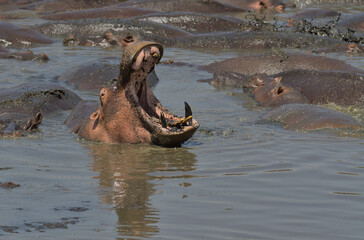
[(275, 63), (13, 34), (273, 93), (28, 55), (128, 111), (22, 107), (317, 87), (310, 117), (97, 74)]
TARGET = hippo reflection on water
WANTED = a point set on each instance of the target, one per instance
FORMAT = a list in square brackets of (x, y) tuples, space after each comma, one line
[(129, 112)]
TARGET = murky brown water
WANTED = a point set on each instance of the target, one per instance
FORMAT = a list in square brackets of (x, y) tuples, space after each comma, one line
[(235, 179)]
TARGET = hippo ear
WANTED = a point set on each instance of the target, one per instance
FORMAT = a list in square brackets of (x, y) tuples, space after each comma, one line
[(95, 116), (277, 80), (38, 118)]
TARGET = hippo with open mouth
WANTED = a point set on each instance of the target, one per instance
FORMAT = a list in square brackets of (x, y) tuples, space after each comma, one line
[(128, 111)]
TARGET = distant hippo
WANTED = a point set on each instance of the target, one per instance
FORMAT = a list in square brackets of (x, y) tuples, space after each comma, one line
[(98, 74), (128, 111), (257, 4), (355, 22), (348, 48), (22, 108), (120, 28), (201, 6), (28, 55), (63, 5), (321, 87), (197, 22), (317, 87), (316, 13), (108, 12), (273, 93), (13, 34), (227, 80), (310, 117), (275, 63), (255, 40)]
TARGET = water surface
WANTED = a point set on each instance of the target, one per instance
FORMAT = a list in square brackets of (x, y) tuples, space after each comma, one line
[(236, 178)]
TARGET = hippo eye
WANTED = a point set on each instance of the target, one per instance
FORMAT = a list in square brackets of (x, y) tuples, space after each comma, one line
[(155, 55)]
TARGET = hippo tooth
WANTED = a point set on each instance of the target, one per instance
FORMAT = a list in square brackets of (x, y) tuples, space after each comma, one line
[(188, 110), (163, 120)]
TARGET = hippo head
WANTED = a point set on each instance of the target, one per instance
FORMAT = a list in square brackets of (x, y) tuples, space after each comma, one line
[(272, 93), (130, 113), (16, 124)]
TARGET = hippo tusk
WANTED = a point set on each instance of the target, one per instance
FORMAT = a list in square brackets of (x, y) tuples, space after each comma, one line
[(188, 110)]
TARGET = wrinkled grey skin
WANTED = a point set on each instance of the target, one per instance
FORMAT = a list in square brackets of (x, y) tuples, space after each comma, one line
[(275, 63), (97, 74), (23, 107), (310, 117)]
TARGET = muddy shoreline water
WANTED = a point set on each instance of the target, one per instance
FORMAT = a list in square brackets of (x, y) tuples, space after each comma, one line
[(237, 178)]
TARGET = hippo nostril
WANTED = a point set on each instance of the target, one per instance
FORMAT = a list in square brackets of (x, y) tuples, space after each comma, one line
[(280, 90)]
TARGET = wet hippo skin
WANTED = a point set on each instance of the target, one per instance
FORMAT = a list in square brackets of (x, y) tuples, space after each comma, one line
[(98, 74), (109, 12), (272, 64), (23, 107), (19, 35), (310, 117), (128, 111)]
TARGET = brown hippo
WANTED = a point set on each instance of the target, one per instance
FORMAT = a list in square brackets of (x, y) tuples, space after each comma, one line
[(22, 107), (98, 74), (275, 63), (128, 111), (317, 87), (273, 93), (13, 34), (28, 55), (108, 12), (310, 117)]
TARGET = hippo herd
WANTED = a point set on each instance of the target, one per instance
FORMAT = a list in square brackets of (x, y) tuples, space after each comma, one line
[(293, 83)]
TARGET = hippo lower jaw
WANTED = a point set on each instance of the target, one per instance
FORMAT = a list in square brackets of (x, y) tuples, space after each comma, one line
[(166, 128)]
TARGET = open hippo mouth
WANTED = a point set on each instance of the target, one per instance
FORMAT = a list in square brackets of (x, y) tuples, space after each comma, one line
[(166, 128)]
